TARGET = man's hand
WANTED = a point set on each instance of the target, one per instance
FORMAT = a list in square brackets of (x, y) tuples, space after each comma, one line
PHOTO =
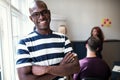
[(39, 70), (69, 58)]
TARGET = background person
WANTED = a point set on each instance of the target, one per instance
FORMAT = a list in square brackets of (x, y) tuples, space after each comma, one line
[(96, 31), (62, 29), (91, 66)]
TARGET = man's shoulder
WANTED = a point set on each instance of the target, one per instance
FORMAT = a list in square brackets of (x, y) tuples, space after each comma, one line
[(88, 60), (60, 35), (28, 36), (57, 33)]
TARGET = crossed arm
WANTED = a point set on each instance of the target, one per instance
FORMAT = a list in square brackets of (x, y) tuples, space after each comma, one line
[(69, 65)]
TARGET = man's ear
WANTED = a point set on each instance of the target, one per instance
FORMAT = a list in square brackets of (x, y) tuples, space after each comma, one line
[(30, 18), (86, 45), (48, 11)]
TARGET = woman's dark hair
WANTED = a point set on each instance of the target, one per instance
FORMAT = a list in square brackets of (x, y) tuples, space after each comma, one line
[(99, 31)]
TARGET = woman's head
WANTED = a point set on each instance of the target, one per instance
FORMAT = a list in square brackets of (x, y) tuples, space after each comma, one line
[(96, 31)]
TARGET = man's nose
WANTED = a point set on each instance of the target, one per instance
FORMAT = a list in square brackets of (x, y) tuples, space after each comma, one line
[(41, 16)]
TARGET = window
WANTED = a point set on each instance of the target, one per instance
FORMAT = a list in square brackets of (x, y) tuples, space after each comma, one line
[(5, 41), (15, 3), (20, 22), (13, 19)]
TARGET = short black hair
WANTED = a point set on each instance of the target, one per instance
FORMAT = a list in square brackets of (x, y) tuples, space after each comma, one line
[(94, 43)]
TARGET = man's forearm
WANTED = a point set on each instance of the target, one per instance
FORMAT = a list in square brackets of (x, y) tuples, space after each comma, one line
[(63, 70), (46, 77), (59, 70), (69, 65), (34, 77), (25, 73)]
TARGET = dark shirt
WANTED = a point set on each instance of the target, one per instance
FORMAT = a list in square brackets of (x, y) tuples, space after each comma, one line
[(93, 67)]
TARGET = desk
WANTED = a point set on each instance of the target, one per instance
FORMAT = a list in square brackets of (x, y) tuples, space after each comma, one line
[(116, 71)]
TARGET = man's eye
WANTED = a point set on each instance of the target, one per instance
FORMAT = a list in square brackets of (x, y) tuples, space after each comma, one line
[(36, 14), (45, 12)]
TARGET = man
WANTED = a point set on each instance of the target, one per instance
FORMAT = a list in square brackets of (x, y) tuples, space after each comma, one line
[(92, 66), (44, 54)]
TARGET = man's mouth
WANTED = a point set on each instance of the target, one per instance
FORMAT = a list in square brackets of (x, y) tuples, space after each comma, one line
[(43, 22)]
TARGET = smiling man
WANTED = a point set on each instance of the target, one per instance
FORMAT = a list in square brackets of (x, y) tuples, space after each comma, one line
[(45, 54)]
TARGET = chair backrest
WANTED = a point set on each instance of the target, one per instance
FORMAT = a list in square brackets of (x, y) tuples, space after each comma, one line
[(92, 78)]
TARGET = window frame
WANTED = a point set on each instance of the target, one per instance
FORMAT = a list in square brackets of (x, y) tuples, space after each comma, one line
[(7, 38)]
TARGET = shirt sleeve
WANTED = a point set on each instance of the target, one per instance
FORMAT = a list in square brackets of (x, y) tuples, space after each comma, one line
[(68, 45), (23, 57)]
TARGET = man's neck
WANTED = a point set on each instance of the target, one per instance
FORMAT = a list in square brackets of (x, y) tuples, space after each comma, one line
[(44, 32), (90, 54)]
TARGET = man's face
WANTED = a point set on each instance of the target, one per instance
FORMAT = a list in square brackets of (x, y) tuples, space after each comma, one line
[(41, 17)]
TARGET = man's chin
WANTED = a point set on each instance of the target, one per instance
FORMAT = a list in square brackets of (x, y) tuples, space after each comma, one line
[(43, 28)]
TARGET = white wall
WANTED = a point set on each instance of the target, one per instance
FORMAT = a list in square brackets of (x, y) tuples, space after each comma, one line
[(81, 15)]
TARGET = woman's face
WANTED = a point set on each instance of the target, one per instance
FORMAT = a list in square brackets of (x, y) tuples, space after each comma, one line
[(94, 33)]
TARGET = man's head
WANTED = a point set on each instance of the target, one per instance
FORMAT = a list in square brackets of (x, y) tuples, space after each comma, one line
[(40, 15), (62, 29), (93, 43)]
